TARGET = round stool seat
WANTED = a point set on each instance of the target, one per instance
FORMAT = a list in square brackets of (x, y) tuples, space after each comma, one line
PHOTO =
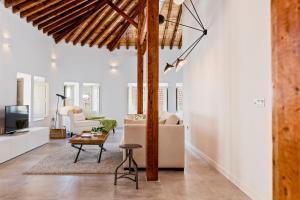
[(130, 146)]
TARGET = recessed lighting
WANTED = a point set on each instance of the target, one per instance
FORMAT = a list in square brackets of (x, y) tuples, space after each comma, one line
[(53, 56), (53, 64), (6, 35), (6, 46)]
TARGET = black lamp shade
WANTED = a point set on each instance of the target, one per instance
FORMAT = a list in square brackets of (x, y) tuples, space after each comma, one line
[(161, 19), (61, 96), (168, 68)]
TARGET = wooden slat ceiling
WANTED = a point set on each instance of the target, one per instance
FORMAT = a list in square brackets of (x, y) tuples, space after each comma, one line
[(96, 23)]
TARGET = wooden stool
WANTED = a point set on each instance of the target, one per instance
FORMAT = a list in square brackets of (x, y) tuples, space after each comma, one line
[(129, 156)]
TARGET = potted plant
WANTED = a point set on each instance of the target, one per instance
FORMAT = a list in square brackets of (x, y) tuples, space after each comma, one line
[(99, 130)]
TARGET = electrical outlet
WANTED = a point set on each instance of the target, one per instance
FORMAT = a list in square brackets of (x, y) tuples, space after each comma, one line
[(260, 103)]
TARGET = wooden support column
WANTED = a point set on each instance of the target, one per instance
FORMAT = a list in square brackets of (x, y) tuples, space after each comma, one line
[(140, 57), (152, 108), (286, 99)]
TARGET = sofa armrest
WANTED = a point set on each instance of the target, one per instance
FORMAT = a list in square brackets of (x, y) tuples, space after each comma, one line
[(86, 123)]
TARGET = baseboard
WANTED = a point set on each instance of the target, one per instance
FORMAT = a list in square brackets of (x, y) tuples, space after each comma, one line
[(243, 187)]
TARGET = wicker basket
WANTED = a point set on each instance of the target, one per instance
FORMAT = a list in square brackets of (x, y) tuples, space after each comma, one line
[(58, 134)]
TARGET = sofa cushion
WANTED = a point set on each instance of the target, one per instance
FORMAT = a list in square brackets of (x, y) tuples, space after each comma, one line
[(172, 120), (132, 121), (79, 117)]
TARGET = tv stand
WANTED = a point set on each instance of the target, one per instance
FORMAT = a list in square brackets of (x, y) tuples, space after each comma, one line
[(13, 145)]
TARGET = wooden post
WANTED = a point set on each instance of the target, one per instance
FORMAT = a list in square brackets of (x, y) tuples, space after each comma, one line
[(286, 99), (152, 107), (140, 57)]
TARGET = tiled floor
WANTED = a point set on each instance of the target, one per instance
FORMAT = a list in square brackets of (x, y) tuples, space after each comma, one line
[(199, 181)]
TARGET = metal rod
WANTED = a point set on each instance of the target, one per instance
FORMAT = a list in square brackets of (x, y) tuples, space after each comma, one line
[(192, 14), (197, 14), (194, 46), (198, 39), (185, 25)]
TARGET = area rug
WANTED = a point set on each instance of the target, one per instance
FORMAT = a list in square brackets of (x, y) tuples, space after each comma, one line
[(62, 161)]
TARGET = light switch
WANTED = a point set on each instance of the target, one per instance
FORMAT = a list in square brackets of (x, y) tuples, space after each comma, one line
[(260, 102)]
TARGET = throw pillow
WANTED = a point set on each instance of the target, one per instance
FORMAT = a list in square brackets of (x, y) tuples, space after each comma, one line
[(172, 120)]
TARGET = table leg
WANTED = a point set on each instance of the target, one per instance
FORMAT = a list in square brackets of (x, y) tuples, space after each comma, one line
[(136, 174), (76, 147), (116, 171), (79, 150), (101, 149)]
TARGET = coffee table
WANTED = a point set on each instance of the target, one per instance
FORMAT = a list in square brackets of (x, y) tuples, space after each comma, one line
[(77, 142)]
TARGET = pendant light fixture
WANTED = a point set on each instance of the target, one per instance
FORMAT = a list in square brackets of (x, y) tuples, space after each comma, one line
[(182, 59)]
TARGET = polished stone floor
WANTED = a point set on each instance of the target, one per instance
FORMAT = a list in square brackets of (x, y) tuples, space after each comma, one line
[(199, 181)]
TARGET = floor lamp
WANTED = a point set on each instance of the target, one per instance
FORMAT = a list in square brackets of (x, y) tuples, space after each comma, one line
[(59, 96)]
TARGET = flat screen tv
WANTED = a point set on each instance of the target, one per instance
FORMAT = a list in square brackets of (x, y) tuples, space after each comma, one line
[(16, 118)]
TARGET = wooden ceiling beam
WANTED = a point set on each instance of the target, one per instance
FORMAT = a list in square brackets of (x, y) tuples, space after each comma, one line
[(123, 14), (180, 43), (116, 28), (64, 11), (85, 29), (51, 11), (41, 6), (98, 25), (10, 3), (110, 28), (70, 23), (52, 28), (112, 45), (64, 32), (167, 24), (25, 5), (127, 39), (176, 27), (106, 26), (70, 13)]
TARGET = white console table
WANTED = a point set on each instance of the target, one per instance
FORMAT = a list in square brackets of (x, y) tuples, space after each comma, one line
[(16, 144)]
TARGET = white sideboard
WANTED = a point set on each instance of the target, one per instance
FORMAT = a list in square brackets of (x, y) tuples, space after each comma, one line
[(16, 144)]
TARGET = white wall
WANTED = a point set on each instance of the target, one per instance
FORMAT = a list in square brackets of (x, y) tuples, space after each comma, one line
[(92, 65), (228, 70), (28, 53)]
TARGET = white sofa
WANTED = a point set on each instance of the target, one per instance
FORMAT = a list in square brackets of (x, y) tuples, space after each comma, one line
[(74, 120), (171, 143)]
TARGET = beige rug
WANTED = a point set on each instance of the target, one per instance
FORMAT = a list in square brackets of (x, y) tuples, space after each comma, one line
[(62, 161)]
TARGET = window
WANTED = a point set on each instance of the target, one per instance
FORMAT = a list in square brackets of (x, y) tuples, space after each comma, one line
[(163, 97), (71, 92), (179, 98), (24, 90), (91, 98), (40, 96), (132, 97)]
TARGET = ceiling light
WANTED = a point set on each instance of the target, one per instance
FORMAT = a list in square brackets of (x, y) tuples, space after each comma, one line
[(179, 64), (168, 68), (53, 64), (6, 35), (114, 67), (53, 57), (178, 2), (6, 46)]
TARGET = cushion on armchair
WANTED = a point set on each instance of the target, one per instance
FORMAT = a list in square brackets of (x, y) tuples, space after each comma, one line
[(79, 117)]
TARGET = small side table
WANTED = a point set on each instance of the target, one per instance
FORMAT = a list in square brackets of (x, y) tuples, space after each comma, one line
[(129, 156)]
